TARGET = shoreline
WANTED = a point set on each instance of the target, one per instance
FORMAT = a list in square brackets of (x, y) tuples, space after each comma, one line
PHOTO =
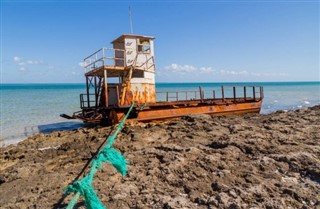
[(76, 124), (197, 161)]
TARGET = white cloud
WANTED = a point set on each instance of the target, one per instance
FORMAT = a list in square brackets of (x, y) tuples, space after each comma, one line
[(81, 64), (34, 62), (269, 74), (17, 59), (24, 64), (232, 72), (206, 70), (189, 69)]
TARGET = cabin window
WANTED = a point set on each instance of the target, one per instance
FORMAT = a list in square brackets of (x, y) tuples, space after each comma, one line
[(143, 46), (138, 74)]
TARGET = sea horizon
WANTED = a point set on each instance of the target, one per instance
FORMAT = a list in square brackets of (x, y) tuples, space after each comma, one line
[(163, 82)]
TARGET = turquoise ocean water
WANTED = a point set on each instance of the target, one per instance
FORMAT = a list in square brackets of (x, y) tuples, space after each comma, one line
[(27, 109)]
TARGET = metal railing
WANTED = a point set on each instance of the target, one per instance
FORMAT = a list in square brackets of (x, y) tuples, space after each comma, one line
[(114, 57), (146, 63), (242, 92), (87, 100), (226, 94), (105, 56), (169, 96), (233, 93)]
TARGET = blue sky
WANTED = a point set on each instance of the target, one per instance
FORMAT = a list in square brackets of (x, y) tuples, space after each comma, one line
[(196, 41)]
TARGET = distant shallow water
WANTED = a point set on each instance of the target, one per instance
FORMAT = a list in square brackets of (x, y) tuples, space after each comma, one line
[(44, 128), (28, 109)]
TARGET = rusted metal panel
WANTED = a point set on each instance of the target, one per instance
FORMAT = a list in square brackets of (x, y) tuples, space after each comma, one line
[(140, 93)]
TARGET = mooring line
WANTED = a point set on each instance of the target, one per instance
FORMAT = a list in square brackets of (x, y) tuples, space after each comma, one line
[(84, 187)]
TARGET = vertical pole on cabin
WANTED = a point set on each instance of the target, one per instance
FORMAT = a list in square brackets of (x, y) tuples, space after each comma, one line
[(254, 93), (95, 90), (88, 96), (124, 58), (234, 94), (222, 93), (245, 93), (106, 88), (114, 57)]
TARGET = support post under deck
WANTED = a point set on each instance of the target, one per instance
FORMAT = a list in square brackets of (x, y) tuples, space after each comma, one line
[(106, 88), (88, 96), (95, 91)]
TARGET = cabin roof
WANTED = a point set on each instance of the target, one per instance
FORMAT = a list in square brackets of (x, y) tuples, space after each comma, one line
[(123, 36)]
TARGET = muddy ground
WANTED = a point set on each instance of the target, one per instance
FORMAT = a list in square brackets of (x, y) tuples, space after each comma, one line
[(198, 161)]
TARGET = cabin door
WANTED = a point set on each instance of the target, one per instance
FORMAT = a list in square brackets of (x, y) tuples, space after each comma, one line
[(113, 94)]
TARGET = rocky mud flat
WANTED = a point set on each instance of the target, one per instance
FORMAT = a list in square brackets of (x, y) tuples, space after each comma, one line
[(198, 161)]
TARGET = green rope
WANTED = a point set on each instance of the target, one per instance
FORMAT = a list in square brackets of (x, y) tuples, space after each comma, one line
[(84, 187), (142, 106)]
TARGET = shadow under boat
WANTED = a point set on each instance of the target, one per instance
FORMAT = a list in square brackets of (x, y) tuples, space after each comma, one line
[(62, 126)]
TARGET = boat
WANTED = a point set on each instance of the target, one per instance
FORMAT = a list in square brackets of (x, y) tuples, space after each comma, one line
[(124, 74)]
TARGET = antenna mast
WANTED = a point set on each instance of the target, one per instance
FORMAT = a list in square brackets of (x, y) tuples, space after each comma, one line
[(131, 30)]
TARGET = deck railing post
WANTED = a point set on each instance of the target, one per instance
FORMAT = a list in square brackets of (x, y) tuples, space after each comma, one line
[(222, 92), (201, 94), (102, 56), (254, 93), (167, 96), (245, 93), (234, 94), (81, 101), (177, 96), (214, 94)]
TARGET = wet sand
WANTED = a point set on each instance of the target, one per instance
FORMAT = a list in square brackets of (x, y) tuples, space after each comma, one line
[(198, 161)]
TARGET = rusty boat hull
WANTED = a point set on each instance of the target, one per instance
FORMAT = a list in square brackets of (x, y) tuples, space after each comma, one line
[(162, 111), (159, 113)]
